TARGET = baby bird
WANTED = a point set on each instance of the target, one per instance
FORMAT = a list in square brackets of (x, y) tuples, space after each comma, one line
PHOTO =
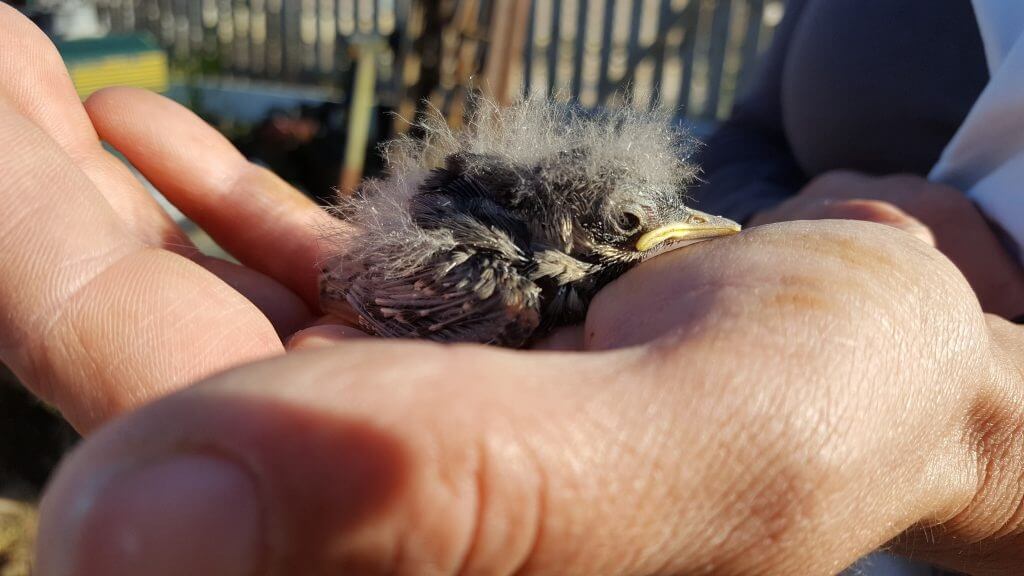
[(500, 233)]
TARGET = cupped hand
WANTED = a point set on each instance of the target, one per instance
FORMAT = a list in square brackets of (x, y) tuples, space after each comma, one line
[(778, 402), (929, 210), (105, 303)]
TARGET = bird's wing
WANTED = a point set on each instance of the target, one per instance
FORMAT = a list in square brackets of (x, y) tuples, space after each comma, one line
[(465, 295)]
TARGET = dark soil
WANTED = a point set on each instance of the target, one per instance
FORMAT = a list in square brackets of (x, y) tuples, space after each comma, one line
[(33, 438)]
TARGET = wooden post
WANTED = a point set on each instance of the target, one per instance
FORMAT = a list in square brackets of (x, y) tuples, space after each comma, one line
[(359, 116), (508, 33)]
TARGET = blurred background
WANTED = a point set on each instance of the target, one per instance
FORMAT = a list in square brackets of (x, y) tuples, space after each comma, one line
[(310, 88)]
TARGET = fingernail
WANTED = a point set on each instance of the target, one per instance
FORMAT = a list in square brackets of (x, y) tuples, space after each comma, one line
[(323, 337), (191, 514)]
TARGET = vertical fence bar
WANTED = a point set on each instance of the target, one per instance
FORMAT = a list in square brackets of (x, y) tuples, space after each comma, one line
[(195, 28), (716, 55), (224, 22), (404, 63), (165, 23), (580, 51), (509, 24), (258, 37), (528, 49), (242, 38), (274, 49), (129, 14), (554, 41), (305, 41), (603, 82), (689, 48), (755, 18), (633, 57), (665, 25), (484, 18)]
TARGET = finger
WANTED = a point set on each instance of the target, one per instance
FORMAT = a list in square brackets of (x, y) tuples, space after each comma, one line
[(399, 478), (393, 479), (879, 212), (838, 185), (261, 220), (285, 310), (91, 319), (866, 210), (37, 85)]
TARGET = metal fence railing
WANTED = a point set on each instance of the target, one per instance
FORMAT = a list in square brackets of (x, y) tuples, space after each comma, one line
[(299, 41), (689, 55)]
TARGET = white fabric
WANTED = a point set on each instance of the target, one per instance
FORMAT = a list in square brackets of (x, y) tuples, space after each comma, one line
[(986, 156)]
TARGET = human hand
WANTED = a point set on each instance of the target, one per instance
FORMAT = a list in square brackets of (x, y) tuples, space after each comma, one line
[(376, 455), (778, 402), (925, 209), (105, 304)]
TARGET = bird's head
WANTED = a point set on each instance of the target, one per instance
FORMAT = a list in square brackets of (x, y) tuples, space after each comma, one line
[(620, 211)]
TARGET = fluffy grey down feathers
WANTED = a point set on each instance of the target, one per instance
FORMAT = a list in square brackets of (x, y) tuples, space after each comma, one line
[(505, 229)]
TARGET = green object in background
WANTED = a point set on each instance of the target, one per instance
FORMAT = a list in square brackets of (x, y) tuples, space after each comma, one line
[(132, 60)]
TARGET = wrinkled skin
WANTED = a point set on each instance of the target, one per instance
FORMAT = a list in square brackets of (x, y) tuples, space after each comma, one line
[(781, 401)]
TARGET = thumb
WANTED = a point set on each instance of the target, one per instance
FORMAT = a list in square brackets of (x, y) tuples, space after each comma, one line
[(373, 458)]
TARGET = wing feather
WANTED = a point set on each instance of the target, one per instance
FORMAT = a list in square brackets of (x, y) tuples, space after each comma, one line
[(466, 295)]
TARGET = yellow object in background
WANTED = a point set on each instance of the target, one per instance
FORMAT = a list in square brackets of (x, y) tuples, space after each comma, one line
[(360, 113), (17, 537), (134, 60)]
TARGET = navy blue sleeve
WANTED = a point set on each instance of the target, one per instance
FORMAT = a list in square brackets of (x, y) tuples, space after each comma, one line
[(747, 163)]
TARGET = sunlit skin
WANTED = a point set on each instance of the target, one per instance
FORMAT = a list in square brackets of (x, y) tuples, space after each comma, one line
[(779, 401)]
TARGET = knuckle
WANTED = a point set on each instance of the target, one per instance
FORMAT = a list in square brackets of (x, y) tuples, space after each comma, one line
[(475, 498), (495, 505), (511, 490)]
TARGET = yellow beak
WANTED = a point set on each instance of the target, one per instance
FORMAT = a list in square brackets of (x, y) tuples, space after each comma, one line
[(697, 227)]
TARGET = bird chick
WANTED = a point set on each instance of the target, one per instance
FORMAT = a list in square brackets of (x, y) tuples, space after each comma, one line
[(508, 229)]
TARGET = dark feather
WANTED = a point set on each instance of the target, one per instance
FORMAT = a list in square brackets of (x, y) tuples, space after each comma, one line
[(467, 295), (507, 230)]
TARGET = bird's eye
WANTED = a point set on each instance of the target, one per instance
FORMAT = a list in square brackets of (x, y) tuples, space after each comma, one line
[(627, 223)]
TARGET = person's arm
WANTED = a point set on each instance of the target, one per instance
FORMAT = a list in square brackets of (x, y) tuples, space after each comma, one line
[(747, 163)]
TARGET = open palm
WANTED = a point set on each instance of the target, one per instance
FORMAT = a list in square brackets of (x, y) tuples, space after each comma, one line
[(106, 303)]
